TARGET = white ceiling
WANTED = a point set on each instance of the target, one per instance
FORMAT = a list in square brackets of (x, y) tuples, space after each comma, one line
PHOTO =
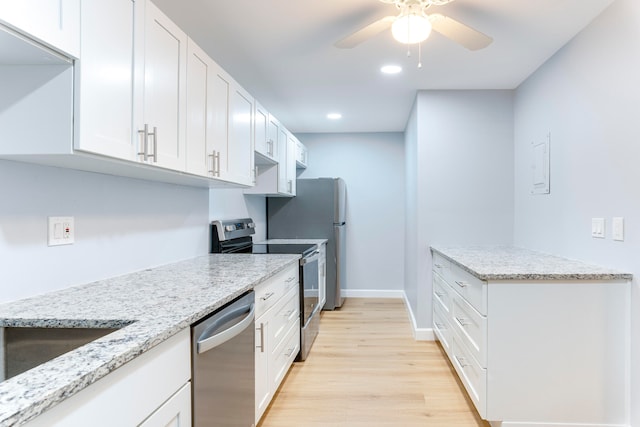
[(282, 52)]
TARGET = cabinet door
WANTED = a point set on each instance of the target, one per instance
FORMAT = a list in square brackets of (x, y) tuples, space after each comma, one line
[(292, 143), (175, 412), (273, 134), (219, 116), (55, 23), (240, 148), (283, 140), (198, 71), (263, 394), (164, 88), (261, 131), (104, 79)]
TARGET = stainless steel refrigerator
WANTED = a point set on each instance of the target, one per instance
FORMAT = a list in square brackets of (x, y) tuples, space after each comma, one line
[(317, 212)]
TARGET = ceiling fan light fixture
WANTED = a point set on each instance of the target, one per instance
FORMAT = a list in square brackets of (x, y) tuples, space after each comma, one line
[(411, 27)]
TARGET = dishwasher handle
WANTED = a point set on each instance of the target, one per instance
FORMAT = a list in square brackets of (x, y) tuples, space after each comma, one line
[(206, 343)]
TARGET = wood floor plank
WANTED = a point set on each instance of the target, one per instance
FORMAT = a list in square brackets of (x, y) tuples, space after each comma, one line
[(365, 369)]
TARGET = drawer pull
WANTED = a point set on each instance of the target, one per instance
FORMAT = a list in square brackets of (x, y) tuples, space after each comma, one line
[(267, 296), (290, 279), (289, 313), (261, 329), (440, 294), (463, 364), (461, 284), (462, 321), (289, 352), (438, 265), (440, 326)]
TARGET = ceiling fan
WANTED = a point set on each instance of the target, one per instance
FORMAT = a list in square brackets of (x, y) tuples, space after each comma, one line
[(414, 25)]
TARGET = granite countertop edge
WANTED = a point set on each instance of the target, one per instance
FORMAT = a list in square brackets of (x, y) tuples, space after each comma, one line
[(218, 278), (514, 263)]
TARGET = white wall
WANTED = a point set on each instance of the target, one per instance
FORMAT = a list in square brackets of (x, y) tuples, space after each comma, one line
[(121, 225), (587, 96), (463, 193), (232, 203), (372, 165)]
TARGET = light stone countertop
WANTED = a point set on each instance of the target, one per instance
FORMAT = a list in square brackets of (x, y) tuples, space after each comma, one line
[(292, 241), (491, 263), (150, 306)]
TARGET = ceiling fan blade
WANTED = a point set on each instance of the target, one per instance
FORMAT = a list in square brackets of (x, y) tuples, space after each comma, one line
[(365, 33), (459, 33)]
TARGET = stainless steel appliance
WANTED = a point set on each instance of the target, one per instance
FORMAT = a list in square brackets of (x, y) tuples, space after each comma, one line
[(234, 236), (223, 366), (317, 212)]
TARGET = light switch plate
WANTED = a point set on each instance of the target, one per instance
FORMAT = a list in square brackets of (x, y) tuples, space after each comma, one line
[(617, 228), (61, 230), (597, 228)]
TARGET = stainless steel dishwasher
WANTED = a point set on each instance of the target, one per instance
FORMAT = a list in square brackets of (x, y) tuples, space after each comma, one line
[(223, 365)]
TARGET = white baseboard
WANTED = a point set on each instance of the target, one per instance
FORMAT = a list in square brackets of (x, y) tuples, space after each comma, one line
[(371, 293), (419, 334)]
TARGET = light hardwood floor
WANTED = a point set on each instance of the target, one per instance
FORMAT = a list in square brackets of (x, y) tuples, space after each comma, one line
[(365, 369)]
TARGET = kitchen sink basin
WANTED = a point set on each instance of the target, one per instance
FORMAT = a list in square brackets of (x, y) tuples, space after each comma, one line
[(26, 348)]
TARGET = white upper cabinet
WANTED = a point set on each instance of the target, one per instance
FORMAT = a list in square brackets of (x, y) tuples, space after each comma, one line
[(104, 80), (126, 77), (264, 138), (199, 113), (55, 23), (301, 155), (161, 93), (240, 148)]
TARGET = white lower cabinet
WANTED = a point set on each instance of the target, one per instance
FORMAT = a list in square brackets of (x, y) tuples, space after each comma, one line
[(176, 412), (152, 390), (277, 334), (536, 352)]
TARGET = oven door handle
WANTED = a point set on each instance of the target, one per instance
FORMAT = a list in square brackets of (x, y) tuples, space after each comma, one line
[(206, 342)]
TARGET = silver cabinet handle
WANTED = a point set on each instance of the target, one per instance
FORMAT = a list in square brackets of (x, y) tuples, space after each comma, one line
[(290, 184), (461, 284), (205, 343), (289, 352), (289, 313), (155, 144), (440, 325), (463, 363), (215, 163), (267, 296), (270, 147), (145, 143), (462, 321), (261, 329), (439, 294), (290, 279)]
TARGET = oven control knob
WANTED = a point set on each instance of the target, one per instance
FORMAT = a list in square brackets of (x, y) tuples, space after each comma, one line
[(251, 225), (230, 228)]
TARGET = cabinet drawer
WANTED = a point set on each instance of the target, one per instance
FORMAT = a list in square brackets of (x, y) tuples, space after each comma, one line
[(286, 312), (472, 375), (470, 287), (442, 266), (471, 328), (284, 354), (442, 293), (442, 329), (271, 290)]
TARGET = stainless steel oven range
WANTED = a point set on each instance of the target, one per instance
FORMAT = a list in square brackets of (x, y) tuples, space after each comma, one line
[(234, 236)]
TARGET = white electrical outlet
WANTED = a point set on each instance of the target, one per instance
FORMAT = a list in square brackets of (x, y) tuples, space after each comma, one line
[(61, 230), (617, 228), (597, 228)]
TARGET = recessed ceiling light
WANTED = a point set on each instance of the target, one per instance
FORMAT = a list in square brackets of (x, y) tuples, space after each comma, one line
[(391, 69), (334, 116)]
